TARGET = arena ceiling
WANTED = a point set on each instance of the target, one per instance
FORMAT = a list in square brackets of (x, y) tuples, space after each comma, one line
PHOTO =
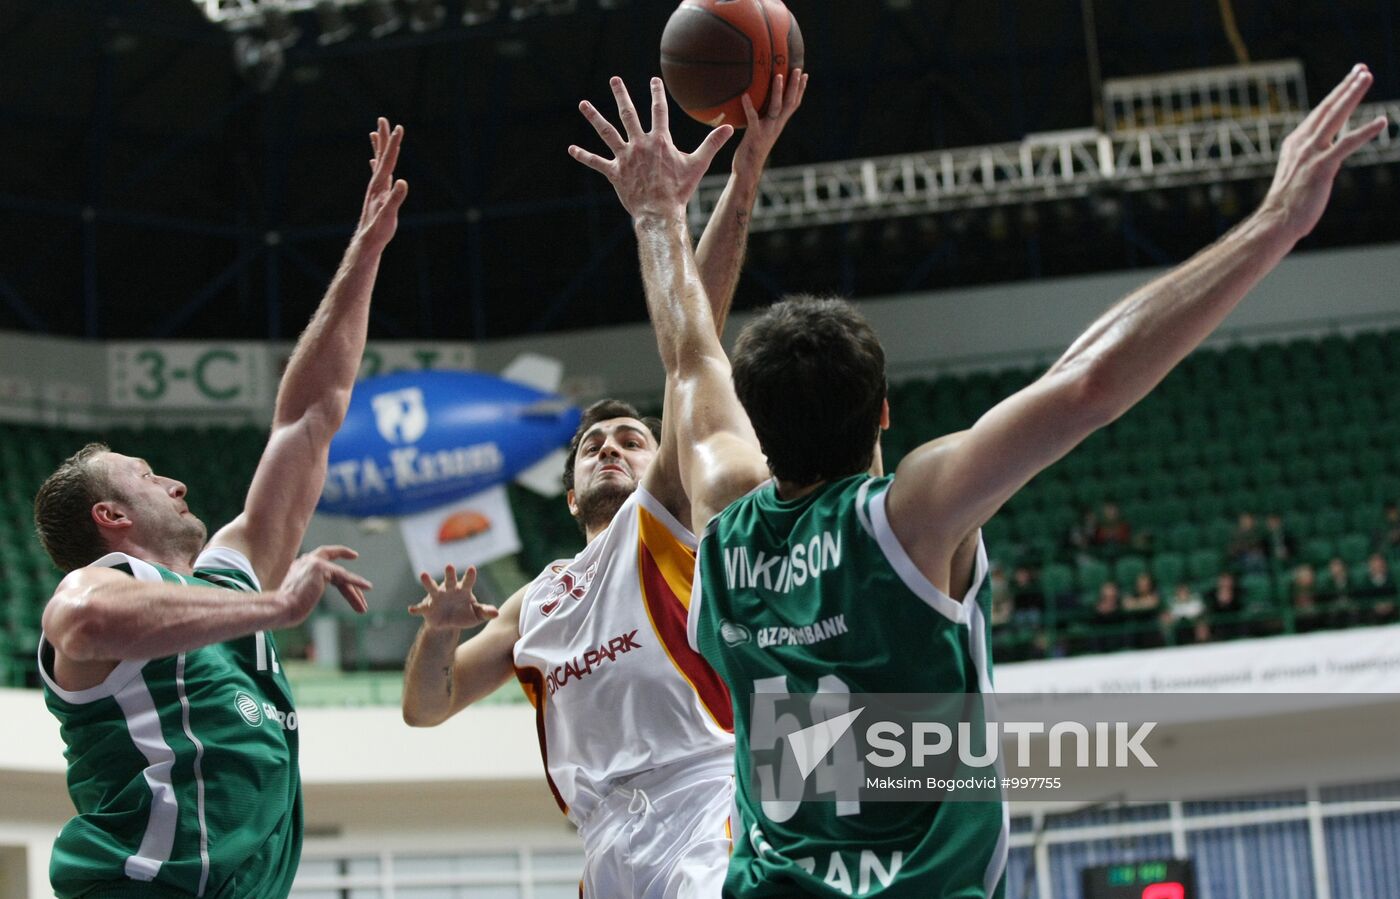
[(148, 189)]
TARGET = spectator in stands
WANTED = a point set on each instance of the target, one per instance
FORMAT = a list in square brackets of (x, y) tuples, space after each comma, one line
[(1279, 546), (1003, 600), (1302, 596), (1184, 618), (1337, 596), (1140, 609), (1026, 593), (1108, 619), (1223, 607), (1113, 536), (1379, 590), (1080, 538), (1387, 539), (1247, 551)]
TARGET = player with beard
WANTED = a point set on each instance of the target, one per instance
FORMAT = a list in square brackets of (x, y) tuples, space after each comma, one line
[(180, 730), (635, 729)]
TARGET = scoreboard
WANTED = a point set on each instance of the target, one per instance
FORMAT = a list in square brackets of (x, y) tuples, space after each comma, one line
[(1154, 879)]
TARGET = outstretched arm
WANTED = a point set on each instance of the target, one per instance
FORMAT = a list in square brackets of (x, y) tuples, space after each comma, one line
[(944, 490), (99, 617), (315, 391), (443, 675), (718, 455), (719, 257)]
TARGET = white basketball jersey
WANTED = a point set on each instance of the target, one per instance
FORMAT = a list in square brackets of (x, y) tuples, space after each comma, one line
[(604, 658)]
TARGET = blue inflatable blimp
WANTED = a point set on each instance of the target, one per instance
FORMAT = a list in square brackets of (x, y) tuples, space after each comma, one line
[(418, 440)]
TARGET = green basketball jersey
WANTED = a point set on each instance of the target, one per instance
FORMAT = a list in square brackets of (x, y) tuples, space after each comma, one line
[(183, 770), (817, 595)]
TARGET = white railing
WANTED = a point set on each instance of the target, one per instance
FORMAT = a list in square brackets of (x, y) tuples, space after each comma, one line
[(1040, 168)]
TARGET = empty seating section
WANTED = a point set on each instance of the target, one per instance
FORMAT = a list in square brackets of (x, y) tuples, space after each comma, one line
[(1308, 430)]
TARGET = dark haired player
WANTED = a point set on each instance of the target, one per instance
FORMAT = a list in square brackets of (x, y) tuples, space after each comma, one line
[(872, 573), (635, 727)]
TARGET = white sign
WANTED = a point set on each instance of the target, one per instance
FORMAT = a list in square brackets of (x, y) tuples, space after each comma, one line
[(187, 376), (1358, 660), (473, 531)]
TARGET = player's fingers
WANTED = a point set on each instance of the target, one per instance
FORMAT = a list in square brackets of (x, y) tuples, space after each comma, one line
[(418, 608), (469, 578), (1332, 113), (750, 113), (592, 160), (601, 125), (660, 114), (776, 98), (428, 583), (797, 90), (705, 153), (631, 125), (334, 551), (337, 575), (396, 197), (354, 597), (486, 612), (391, 152), (1357, 138)]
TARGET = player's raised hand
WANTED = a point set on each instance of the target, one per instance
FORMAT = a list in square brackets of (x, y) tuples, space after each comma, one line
[(762, 131), (309, 575), (379, 217), (451, 604), (651, 176), (1313, 154)]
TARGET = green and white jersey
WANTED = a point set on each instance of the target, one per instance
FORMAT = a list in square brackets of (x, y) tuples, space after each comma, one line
[(817, 595), (183, 770)]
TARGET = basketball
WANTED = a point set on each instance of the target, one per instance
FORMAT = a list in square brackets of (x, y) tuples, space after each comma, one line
[(715, 51)]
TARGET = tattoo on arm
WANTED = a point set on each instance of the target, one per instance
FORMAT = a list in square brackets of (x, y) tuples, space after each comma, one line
[(447, 674)]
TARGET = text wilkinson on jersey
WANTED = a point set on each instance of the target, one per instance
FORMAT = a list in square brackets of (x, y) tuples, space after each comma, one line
[(781, 573)]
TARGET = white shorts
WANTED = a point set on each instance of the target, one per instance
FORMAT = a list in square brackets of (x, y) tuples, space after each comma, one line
[(662, 834)]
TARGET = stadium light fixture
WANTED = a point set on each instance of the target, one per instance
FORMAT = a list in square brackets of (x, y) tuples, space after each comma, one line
[(335, 25), (384, 18), (478, 11)]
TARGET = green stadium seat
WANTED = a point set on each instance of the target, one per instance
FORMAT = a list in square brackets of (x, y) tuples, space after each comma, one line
[(1206, 507), (1168, 568), (1313, 495), (1329, 522), (1219, 531), (1372, 463), (1205, 563), (1217, 454), (1183, 536), (1056, 580), (1243, 500), (1091, 575), (1195, 482), (1348, 493), (1276, 498), (1126, 570), (1257, 590), (1318, 550), (1353, 548), (1385, 489)]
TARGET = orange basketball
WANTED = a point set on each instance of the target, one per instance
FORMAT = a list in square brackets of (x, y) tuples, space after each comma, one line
[(715, 51)]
